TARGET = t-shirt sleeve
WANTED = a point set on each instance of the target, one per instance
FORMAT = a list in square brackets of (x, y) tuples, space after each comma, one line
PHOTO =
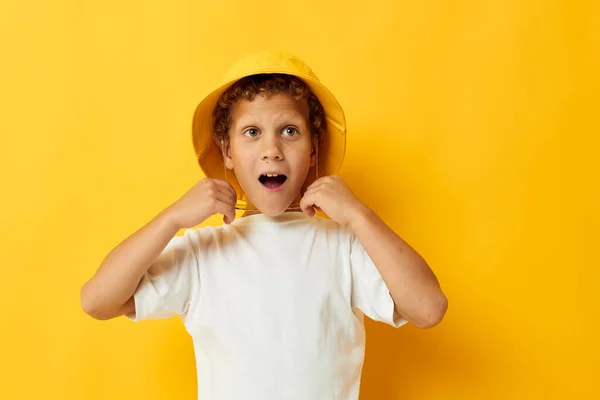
[(369, 291), (169, 285)]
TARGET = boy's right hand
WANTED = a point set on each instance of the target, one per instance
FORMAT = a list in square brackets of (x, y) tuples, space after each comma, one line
[(207, 197)]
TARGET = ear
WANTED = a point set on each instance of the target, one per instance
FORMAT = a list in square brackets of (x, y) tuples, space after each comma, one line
[(225, 150), (227, 156), (313, 153), (228, 162)]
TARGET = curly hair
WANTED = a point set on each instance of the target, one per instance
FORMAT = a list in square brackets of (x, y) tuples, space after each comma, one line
[(267, 84)]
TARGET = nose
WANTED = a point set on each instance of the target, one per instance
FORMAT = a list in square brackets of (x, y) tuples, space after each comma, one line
[(271, 148)]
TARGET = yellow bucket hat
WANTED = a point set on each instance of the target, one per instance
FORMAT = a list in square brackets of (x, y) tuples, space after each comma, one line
[(208, 152)]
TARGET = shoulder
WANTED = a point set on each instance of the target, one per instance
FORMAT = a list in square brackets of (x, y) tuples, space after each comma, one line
[(332, 226), (207, 238), (203, 237), (331, 232)]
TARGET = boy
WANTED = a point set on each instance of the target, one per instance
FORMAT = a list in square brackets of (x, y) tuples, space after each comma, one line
[(274, 301)]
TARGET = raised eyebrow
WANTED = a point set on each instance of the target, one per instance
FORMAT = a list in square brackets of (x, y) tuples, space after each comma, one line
[(245, 126), (284, 120), (298, 125)]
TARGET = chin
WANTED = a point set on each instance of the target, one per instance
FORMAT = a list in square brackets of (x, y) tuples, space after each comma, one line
[(272, 210), (272, 204)]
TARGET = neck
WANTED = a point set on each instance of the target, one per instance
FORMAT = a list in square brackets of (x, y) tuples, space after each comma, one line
[(252, 210)]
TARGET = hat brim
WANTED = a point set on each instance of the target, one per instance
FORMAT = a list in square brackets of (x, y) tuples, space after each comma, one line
[(210, 157)]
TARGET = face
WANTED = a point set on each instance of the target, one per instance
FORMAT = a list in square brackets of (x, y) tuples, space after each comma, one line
[(270, 150)]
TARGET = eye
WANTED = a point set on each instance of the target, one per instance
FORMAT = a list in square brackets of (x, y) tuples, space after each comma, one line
[(290, 131), (251, 132)]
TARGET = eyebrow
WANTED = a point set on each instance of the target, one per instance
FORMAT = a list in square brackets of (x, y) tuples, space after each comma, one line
[(245, 121)]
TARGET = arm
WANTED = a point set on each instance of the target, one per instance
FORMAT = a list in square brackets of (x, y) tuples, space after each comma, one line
[(413, 286), (109, 293)]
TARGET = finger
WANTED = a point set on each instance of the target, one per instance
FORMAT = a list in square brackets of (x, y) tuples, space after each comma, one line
[(314, 190), (307, 204), (316, 183), (225, 208), (318, 186), (226, 185), (227, 194), (225, 197), (311, 190)]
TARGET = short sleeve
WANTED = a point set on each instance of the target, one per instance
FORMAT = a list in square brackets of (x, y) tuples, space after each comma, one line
[(169, 285), (369, 291)]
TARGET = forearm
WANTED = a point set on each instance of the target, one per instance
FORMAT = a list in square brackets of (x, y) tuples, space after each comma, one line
[(412, 284), (118, 276)]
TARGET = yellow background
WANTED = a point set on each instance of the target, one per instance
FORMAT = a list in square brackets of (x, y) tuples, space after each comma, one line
[(473, 131)]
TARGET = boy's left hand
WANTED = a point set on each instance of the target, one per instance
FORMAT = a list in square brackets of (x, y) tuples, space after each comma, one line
[(331, 195)]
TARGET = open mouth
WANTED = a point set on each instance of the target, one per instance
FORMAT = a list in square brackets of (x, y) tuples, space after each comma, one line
[(272, 181)]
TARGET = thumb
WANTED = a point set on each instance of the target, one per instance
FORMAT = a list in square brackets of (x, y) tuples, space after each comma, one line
[(307, 205), (229, 217)]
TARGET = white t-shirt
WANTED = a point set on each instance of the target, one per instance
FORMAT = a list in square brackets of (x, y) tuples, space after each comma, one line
[(274, 306)]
